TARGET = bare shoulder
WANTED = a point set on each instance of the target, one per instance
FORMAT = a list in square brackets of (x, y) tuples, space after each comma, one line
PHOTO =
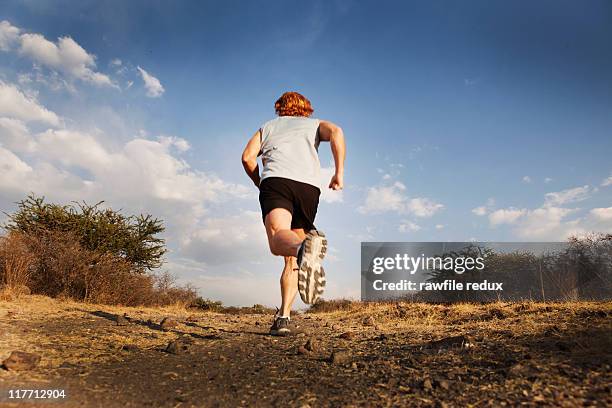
[(326, 129)]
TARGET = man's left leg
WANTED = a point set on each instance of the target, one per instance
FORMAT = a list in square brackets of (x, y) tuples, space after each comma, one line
[(289, 279)]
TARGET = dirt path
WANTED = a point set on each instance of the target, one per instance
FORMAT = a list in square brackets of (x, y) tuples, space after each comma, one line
[(385, 355)]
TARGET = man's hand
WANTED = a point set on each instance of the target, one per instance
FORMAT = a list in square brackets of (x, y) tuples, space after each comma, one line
[(337, 182), (329, 132)]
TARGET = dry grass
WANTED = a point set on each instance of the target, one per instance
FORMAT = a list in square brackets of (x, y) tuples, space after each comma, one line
[(16, 262)]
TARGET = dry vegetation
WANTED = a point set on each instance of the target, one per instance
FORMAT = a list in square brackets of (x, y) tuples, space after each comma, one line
[(55, 264), (87, 253), (416, 354)]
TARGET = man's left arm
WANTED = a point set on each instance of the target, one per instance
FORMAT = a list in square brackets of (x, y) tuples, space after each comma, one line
[(249, 157)]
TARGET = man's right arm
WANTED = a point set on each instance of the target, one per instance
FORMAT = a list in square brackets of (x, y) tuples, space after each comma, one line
[(332, 133), (249, 157)]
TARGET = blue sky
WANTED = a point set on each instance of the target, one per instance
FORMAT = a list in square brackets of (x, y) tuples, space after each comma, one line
[(482, 120)]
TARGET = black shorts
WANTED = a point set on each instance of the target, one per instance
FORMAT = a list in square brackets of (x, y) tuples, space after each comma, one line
[(300, 199)]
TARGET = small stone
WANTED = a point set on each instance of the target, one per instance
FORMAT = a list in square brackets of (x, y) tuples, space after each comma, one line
[(450, 342), (347, 336), (369, 321), (130, 347), (302, 350), (444, 384), (427, 385), (177, 346), (354, 365), (20, 360), (312, 344), (192, 318), (340, 357), (168, 323), (517, 370), (121, 320)]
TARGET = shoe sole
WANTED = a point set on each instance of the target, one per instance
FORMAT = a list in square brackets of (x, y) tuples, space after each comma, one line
[(311, 275), (280, 332)]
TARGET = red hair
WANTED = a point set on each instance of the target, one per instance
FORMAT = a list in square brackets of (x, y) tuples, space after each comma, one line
[(293, 104)]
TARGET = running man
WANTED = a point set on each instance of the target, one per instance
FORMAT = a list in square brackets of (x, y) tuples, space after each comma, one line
[(289, 189)]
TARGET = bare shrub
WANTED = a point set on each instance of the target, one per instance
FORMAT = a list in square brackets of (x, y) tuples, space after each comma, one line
[(207, 305), (334, 305), (62, 266), (168, 292), (16, 262), (54, 263)]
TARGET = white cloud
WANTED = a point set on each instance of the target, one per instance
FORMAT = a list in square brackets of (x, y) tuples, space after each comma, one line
[(484, 209), (567, 196), (604, 214), (506, 216), (545, 222), (383, 199), (70, 164), (607, 182), (53, 80), (423, 207), (66, 56), (15, 104), (223, 240), (408, 226), (13, 170), (526, 179), (152, 84), (8, 35), (480, 211), (15, 135), (116, 62), (548, 223), (439, 226), (18, 178), (73, 148), (547, 180), (179, 143), (393, 198), (551, 221)]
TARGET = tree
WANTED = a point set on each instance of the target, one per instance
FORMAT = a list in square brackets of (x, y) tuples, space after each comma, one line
[(102, 230)]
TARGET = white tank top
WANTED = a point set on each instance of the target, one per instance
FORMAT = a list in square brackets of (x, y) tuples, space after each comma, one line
[(289, 149)]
